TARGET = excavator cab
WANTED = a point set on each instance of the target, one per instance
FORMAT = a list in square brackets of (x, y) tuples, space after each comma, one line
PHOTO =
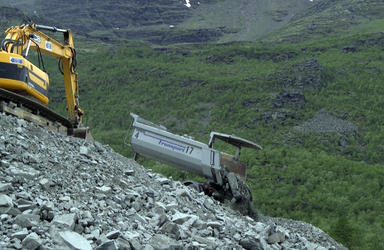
[(24, 84), (19, 75)]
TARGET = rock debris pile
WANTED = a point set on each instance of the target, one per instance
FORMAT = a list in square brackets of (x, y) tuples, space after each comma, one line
[(323, 122), (58, 192)]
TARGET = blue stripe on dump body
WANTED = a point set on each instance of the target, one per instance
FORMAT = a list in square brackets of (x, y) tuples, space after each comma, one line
[(166, 143)]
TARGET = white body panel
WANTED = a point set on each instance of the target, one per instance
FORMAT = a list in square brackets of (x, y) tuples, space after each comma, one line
[(183, 153)]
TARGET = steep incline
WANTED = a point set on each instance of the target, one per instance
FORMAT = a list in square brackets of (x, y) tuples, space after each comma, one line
[(330, 17), (62, 192), (165, 21)]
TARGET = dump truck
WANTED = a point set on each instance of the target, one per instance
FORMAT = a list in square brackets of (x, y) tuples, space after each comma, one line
[(225, 173)]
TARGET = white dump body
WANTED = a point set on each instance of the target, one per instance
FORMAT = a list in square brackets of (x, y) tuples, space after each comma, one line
[(155, 142)]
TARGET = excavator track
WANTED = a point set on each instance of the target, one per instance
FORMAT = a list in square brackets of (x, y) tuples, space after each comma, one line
[(25, 108)]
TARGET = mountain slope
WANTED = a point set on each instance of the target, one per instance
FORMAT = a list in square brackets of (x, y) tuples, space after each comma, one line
[(169, 22), (332, 18), (314, 107), (166, 21), (247, 20), (8, 17), (82, 195)]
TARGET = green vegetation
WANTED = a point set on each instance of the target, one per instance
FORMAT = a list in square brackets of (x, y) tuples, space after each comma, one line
[(333, 180), (330, 17), (330, 175)]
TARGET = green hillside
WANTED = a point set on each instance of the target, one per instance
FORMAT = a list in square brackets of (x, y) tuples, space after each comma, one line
[(165, 21), (329, 17), (310, 93), (316, 108), (8, 17)]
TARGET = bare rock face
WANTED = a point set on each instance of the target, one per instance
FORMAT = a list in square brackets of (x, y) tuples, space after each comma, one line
[(59, 192)]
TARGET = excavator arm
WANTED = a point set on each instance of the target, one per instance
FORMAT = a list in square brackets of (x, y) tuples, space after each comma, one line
[(20, 39)]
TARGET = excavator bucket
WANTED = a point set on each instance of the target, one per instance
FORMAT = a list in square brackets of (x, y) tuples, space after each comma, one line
[(84, 133)]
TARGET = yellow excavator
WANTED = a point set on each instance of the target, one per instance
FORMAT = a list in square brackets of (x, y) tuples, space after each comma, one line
[(24, 86)]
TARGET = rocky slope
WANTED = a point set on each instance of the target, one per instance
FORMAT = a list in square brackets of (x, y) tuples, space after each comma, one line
[(165, 21), (329, 17), (58, 192)]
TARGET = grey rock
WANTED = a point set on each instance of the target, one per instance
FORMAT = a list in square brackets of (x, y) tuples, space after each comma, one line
[(323, 122), (180, 218), (104, 189), (159, 208), (108, 245), (27, 220), (31, 242), (209, 241), (113, 235), (67, 221), (84, 150), (208, 203), (4, 164), (161, 220), (4, 217), (23, 171), (251, 243), (4, 187), (264, 244), (135, 244), (45, 183), (20, 234), (183, 193), (21, 123), (162, 242), (129, 172), (171, 228), (148, 247), (123, 244), (46, 212), (78, 228), (14, 211), (215, 224), (5, 203), (163, 180), (26, 207), (75, 241), (96, 234), (17, 244), (65, 198)]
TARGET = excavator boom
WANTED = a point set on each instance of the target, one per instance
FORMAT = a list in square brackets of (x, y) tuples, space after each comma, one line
[(19, 76)]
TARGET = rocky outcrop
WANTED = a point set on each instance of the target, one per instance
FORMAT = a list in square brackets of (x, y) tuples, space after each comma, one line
[(59, 192), (324, 122), (308, 74)]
